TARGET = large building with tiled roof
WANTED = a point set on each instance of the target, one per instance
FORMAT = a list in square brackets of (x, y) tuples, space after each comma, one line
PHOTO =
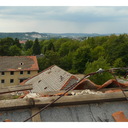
[(15, 69)]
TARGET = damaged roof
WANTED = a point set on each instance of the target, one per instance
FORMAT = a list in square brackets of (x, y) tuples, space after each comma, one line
[(16, 63), (88, 84), (51, 79)]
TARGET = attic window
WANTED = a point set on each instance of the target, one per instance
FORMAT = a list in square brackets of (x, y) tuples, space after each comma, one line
[(21, 63)]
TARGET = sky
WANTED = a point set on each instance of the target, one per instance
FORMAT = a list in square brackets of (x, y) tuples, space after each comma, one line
[(64, 19)]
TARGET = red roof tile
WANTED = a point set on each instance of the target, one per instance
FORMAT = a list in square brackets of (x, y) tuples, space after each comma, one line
[(119, 117)]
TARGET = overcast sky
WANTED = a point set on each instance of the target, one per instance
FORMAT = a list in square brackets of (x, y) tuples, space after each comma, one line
[(64, 19)]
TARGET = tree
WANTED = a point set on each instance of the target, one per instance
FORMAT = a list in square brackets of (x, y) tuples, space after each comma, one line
[(94, 66), (36, 47), (5, 44), (66, 62), (81, 57), (69, 46), (14, 50), (49, 59), (28, 52), (118, 63), (28, 44), (97, 52), (16, 42)]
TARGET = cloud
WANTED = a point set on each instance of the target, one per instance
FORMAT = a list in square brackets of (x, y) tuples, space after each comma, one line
[(64, 18)]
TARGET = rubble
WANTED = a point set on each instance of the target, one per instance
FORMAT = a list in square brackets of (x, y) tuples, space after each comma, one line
[(85, 92)]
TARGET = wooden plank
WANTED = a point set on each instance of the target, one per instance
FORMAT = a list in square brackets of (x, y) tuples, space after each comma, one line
[(66, 100), (15, 88), (37, 117)]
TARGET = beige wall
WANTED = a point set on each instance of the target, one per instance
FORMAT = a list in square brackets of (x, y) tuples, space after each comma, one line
[(16, 77)]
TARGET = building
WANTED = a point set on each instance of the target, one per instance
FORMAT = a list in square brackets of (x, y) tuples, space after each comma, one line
[(15, 69), (51, 79)]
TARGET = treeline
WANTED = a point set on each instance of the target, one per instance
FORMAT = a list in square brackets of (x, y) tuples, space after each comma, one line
[(73, 55)]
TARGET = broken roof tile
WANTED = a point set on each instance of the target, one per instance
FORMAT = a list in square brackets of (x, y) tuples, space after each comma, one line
[(119, 116)]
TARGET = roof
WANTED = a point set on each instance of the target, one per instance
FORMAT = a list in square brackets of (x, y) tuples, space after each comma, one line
[(88, 84), (16, 63), (22, 41), (51, 79)]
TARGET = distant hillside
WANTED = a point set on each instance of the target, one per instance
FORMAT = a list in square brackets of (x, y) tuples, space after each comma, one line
[(33, 35)]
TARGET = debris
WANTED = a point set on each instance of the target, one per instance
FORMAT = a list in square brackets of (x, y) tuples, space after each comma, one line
[(111, 91), (7, 120), (32, 95), (85, 92)]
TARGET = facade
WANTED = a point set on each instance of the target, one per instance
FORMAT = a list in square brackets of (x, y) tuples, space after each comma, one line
[(15, 69)]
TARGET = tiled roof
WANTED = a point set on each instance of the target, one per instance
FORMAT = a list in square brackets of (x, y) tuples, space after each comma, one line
[(16, 63), (51, 79)]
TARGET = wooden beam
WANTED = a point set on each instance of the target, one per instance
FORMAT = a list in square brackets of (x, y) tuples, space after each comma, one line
[(66, 100), (10, 89), (37, 117)]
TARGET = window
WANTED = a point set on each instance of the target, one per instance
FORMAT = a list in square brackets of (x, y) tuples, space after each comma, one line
[(11, 80), (12, 73), (21, 72), (28, 72), (2, 81), (21, 80), (2, 73)]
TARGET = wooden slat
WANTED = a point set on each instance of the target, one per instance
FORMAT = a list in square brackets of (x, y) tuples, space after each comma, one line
[(10, 89), (66, 100)]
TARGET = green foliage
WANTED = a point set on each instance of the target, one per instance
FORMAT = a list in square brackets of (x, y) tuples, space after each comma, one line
[(14, 50), (28, 44), (9, 47), (66, 61), (97, 52), (118, 63), (73, 55), (47, 45), (28, 52), (36, 48), (68, 46), (94, 66), (16, 42), (49, 59), (81, 57)]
